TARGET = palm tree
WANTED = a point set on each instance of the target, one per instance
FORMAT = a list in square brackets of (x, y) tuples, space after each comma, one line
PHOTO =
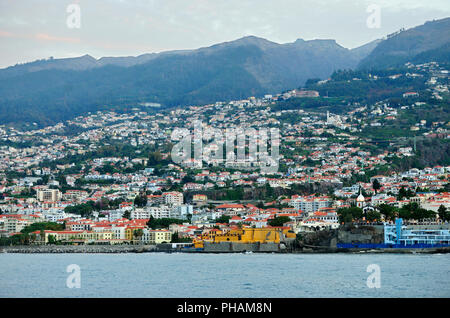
[(42, 236), (138, 233), (32, 237)]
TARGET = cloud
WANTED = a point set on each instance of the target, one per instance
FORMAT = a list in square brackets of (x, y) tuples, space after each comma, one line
[(48, 37), (399, 5), (5, 34)]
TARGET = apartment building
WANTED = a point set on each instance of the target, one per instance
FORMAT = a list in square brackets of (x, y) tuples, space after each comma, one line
[(158, 212), (311, 204), (158, 236), (48, 195), (173, 198)]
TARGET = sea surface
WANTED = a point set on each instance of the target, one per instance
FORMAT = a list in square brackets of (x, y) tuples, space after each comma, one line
[(224, 275)]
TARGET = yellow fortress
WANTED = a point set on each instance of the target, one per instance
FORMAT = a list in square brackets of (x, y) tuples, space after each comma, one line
[(246, 235)]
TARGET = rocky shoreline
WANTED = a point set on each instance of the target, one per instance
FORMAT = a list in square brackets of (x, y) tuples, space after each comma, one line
[(78, 249), (88, 249)]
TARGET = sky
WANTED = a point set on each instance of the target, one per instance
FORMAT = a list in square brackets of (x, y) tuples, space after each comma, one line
[(36, 29)]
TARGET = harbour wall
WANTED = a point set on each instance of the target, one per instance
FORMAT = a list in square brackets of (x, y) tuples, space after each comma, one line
[(225, 247), (231, 247), (78, 249)]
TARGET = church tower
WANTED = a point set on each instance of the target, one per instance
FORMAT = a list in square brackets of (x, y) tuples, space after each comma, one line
[(360, 200)]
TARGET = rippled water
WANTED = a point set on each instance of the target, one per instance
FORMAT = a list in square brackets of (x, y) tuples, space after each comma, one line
[(224, 275)]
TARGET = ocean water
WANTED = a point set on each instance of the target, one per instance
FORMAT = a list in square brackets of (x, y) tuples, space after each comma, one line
[(224, 275)]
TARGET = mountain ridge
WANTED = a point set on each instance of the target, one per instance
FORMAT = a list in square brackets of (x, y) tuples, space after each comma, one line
[(86, 61), (249, 66), (46, 91), (405, 45)]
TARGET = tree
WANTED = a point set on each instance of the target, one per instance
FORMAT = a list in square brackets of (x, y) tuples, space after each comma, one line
[(51, 239), (42, 236), (154, 158), (347, 215), (187, 179), (444, 214), (311, 81), (376, 185), (373, 216), (414, 212), (42, 226), (269, 191), (33, 237), (403, 193), (223, 219), (140, 200), (405, 213), (279, 221), (138, 233), (162, 223), (177, 239), (127, 215), (84, 209), (388, 211)]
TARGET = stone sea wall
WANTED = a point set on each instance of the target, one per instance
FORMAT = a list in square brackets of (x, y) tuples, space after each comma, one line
[(78, 249), (231, 247)]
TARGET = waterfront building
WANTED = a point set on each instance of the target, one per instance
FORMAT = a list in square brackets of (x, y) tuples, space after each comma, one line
[(431, 234), (75, 236), (248, 235), (14, 223), (156, 236)]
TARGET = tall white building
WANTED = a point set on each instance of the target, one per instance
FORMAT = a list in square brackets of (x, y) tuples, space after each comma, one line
[(181, 211), (158, 212), (173, 198), (311, 204)]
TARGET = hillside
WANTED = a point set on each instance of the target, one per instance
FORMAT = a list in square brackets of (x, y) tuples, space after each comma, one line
[(428, 42), (47, 91), (51, 90)]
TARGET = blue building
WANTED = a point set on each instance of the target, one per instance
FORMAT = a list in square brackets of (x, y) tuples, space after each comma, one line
[(400, 235)]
